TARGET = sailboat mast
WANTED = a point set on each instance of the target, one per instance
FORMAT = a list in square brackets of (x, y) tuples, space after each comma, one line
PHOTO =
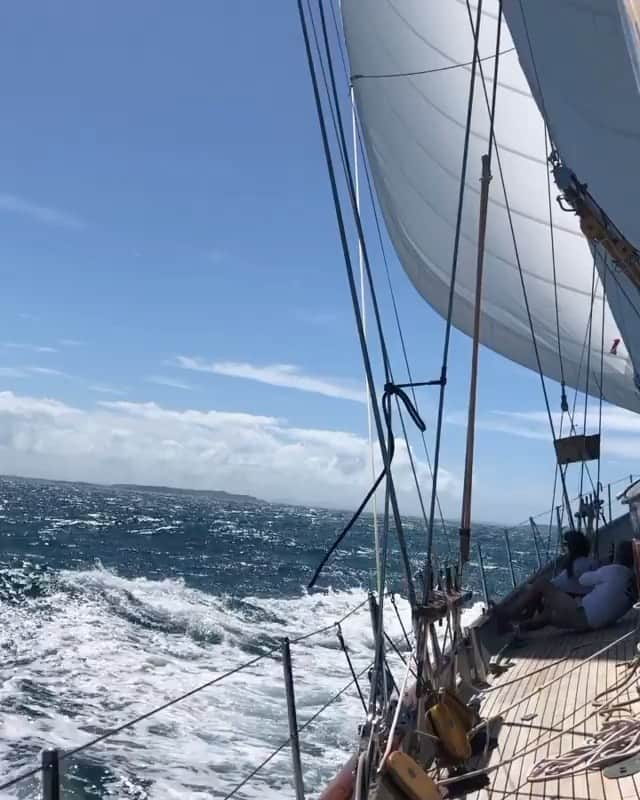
[(465, 522)]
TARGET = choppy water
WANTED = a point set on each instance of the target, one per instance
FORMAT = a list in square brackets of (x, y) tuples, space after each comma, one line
[(112, 602)]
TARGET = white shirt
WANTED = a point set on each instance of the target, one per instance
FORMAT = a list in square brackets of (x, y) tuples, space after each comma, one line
[(612, 595), (572, 585)]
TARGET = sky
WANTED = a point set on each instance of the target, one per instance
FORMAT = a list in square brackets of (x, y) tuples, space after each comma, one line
[(175, 309)]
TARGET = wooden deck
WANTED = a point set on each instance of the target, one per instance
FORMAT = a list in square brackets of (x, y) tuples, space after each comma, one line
[(559, 707)]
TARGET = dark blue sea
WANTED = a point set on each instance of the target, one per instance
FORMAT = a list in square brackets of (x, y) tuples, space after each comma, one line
[(114, 601)]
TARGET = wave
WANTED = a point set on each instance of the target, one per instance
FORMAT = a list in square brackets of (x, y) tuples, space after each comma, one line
[(96, 649)]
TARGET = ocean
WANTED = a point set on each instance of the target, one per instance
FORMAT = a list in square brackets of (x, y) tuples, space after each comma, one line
[(113, 601)]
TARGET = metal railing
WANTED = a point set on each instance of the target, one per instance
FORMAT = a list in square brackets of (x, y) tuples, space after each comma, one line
[(53, 760), (541, 550)]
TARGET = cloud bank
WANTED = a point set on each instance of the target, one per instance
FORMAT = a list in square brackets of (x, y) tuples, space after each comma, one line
[(286, 375), (118, 441)]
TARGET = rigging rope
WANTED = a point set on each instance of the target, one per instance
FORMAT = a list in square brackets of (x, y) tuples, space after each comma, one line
[(465, 516), (454, 270), (389, 390), (563, 397), (535, 68), (572, 414), (355, 678), (548, 136), (302, 727), (358, 77), (553, 680), (553, 497), (367, 264), (536, 350), (394, 303), (601, 388), (219, 678), (537, 744), (617, 740), (354, 299), (586, 391), (345, 650), (363, 306)]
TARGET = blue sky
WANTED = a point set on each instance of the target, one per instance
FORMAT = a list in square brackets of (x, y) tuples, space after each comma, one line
[(167, 237)]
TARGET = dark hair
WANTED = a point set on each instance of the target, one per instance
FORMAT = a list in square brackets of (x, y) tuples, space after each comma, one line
[(578, 546), (624, 553)]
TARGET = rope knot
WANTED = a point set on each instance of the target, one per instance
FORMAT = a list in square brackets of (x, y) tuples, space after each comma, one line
[(391, 389)]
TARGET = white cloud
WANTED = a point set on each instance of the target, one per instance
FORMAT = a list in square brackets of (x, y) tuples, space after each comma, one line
[(48, 216), (173, 383), (121, 441), (32, 348), (58, 373), (104, 388), (70, 342), (286, 375), (620, 428)]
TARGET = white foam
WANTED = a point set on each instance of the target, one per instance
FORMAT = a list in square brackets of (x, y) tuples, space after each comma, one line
[(104, 649)]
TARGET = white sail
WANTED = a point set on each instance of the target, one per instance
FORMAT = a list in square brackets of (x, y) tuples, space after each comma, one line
[(414, 131), (580, 60)]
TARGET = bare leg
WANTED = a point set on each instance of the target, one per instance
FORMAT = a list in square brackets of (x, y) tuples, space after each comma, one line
[(560, 610), (526, 599), (540, 620)]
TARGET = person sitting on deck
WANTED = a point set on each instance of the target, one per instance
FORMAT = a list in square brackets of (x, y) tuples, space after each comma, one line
[(576, 563), (611, 591)]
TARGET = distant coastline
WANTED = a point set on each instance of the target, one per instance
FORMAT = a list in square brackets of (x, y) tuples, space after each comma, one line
[(213, 494)]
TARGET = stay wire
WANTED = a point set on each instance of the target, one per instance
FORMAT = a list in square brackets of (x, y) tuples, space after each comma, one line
[(452, 285), (357, 217), (332, 91), (404, 630), (572, 412), (354, 294), (342, 143), (588, 375), (207, 685), (389, 390), (23, 776), (397, 651), (390, 285), (553, 496), (520, 271), (603, 281), (345, 650), (419, 72), (218, 679), (301, 728), (563, 398), (494, 94), (535, 68), (467, 494), (548, 134)]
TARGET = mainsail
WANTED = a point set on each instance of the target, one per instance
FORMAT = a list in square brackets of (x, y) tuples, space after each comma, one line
[(410, 70)]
